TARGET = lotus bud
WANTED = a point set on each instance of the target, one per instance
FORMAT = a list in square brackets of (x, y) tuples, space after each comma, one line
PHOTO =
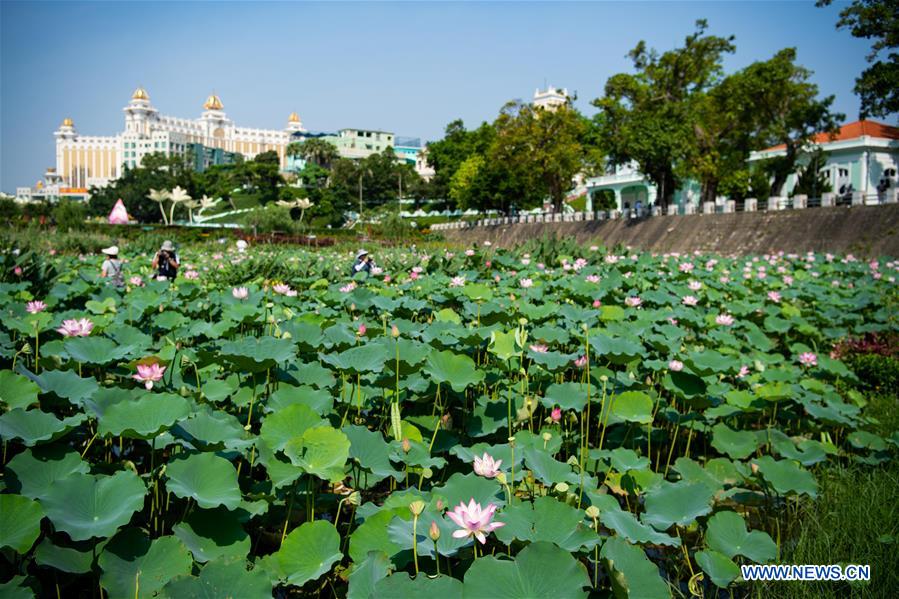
[(417, 507), (562, 488), (592, 512), (286, 335), (439, 505), (501, 477), (427, 473), (434, 532), (395, 331), (512, 442), (269, 305), (406, 446), (522, 321), (754, 467), (354, 498)]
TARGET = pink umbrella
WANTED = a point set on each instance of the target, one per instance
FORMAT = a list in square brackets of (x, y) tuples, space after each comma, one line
[(119, 215)]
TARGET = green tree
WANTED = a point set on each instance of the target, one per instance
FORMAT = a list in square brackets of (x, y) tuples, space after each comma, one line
[(263, 174), (878, 85), (317, 151), (648, 117), (447, 155), (812, 181)]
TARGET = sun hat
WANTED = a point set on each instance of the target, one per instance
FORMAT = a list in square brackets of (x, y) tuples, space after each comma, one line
[(112, 250), (167, 245), (361, 253)]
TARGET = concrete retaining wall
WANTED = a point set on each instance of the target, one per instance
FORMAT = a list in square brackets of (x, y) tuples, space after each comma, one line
[(863, 230)]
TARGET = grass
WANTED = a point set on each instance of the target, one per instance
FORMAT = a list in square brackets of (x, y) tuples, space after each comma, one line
[(855, 520)]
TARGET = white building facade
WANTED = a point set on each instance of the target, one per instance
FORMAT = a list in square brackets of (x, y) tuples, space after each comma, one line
[(85, 161)]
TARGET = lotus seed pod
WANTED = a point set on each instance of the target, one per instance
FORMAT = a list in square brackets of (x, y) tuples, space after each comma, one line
[(512, 442), (562, 487), (501, 477), (593, 512), (427, 473), (354, 498), (522, 321), (417, 507), (434, 532), (604, 378), (547, 436), (286, 335)]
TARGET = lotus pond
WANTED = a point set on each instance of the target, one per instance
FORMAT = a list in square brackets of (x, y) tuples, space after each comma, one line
[(476, 423)]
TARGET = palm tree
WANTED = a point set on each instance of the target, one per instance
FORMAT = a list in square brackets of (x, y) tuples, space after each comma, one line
[(318, 151)]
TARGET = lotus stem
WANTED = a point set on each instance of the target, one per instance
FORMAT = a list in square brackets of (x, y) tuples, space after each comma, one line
[(415, 542)]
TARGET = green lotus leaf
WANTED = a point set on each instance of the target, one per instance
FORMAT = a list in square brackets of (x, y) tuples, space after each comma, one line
[(736, 444), (211, 428), (611, 313), (134, 566), (478, 292), (539, 570), (626, 524), (632, 406), (95, 350), (458, 370), (548, 470), (461, 488), (322, 451), (617, 350), (206, 478), (370, 357), (633, 575), (866, 440), (144, 418), (366, 574), (568, 396), (63, 558), (87, 506), (692, 472), (676, 503), (255, 354), (371, 451), (503, 345), (721, 570), (34, 426), (67, 384), (213, 534), (320, 401), (726, 533), (372, 536), (547, 519), (17, 391), (15, 588), (306, 553), (402, 585), (218, 390), (221, 579), (20, 522), (33, 472), (807, 451), (787, 477), (621, 459), (711, 362), (684, 384), (282, 426)]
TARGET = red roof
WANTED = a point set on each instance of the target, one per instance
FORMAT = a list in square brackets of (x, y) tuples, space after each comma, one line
[(852, 131)]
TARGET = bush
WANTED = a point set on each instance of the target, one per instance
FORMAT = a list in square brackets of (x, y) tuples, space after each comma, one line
[(69, 215), (877, 372), (270, 219)]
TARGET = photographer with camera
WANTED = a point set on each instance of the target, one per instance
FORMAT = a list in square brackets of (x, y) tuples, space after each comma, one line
[(166, 262)]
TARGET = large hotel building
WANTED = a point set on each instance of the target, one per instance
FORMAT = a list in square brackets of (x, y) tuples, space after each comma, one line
[(85, 161)]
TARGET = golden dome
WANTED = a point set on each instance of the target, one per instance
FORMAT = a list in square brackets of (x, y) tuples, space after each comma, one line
[(67, 122), (293, 118), (213, 102), (140, 94)]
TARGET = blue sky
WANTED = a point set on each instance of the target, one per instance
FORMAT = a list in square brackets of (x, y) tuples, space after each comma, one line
[(406, 67)]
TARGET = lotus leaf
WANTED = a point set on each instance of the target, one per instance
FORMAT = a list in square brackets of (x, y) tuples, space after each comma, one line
[(205, 477)]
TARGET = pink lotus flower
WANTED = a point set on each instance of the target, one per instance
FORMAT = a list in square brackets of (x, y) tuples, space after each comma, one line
[(788, 280), (457, 281), (633, 301), (35, 307), (592, 279), (191, 275), (240, 293), (596, 303), (76, 328), (474, 521), (469, 252), (724, 319), (539, 348), (17, 271), (675, 365), (486, 466), (690, 300), (556, 414), (694, 285), (136, 281), (282, 288), (744, 370), (149, 374), (526, 283), (774, 296), (685, 267), (581, 362), (350, 286), (808, 359), (413, 275), (362, 329)]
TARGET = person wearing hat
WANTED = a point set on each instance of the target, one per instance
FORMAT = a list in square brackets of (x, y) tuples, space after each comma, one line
[(166, 262), (112, 266), (362, 263)]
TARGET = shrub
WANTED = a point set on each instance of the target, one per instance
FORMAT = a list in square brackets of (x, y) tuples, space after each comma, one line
[(68, 215), (876, 371)]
